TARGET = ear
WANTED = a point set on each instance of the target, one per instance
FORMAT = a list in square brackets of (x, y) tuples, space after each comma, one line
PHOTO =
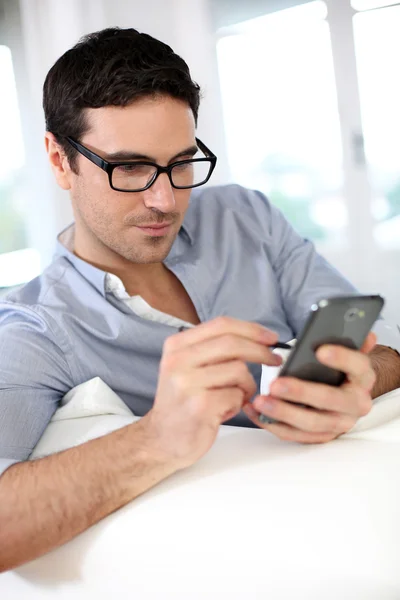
[(58, 161)]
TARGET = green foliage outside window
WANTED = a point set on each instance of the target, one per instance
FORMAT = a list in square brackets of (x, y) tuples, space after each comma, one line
[(393, 198), (297, 213)]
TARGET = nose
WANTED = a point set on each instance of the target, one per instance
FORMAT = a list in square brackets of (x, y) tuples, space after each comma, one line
[(160, 195)]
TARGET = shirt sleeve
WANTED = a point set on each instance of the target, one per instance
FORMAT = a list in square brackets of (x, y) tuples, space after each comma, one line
[(34, 376), (304, 276)]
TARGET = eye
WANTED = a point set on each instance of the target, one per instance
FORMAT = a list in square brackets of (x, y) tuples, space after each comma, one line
[(128, 168), (183, 167), (136, 169)]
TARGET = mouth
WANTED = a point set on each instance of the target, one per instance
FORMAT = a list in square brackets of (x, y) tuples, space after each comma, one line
[(156, 230)]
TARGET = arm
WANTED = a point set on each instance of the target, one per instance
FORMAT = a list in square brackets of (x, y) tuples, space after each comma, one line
[(45, 503), (203, 381), (386, 364), (35, 375), (305, 277)]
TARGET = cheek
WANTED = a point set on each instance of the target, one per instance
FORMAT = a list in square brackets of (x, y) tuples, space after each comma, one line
[(182, 200), (92, 176), (98, 203)]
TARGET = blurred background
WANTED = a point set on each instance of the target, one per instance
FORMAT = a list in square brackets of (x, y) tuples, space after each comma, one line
[(301, 101)]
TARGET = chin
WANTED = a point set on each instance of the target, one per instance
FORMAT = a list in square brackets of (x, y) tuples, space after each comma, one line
[(149, 254)]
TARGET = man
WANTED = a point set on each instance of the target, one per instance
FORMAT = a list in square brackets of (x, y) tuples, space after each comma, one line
[(140, 263)]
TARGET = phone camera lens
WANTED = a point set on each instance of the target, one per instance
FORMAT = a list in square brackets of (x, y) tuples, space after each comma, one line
[(351, 315)]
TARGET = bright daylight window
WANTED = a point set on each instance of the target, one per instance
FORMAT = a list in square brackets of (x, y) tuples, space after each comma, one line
[(17, 262), (369, 4), (377, 45), (281, 116)]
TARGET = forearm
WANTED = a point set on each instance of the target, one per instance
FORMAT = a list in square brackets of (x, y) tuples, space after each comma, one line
[(386, 364), (45, 503)]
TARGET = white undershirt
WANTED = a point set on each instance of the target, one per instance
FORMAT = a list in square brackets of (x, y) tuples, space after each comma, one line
[(114, 285), (139, 306)]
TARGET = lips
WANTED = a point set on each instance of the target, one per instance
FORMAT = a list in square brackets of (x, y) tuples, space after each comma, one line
[(155, 226), (156, 230)]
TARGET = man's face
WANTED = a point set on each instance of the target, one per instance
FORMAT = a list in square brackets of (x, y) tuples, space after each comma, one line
[(111, 223)]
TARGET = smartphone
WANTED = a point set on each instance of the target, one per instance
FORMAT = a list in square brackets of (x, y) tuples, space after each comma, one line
[(343, 320)]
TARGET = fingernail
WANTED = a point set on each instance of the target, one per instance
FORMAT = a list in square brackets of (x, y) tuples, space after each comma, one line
[(325, 353), (277, 360), (268, 405), (264, 404)]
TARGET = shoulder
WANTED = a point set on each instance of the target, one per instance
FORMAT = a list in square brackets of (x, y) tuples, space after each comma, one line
[(231, 197), (236, 208), (58, 289), (34, 292), (33, 346), (29, 307), (28, 330)]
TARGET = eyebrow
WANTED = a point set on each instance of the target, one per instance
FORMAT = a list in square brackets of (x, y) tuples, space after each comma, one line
[(126, 155)]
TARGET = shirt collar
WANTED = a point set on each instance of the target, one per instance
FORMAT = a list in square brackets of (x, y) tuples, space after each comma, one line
[(95, 276), (65, 248)]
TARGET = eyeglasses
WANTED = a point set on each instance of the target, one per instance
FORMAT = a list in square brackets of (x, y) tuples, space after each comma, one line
[(138, 176)]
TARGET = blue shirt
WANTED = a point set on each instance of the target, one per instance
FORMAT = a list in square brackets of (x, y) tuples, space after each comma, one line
[(235, 255)]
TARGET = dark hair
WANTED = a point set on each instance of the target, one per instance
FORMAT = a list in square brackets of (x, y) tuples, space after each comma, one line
[(112, 67)]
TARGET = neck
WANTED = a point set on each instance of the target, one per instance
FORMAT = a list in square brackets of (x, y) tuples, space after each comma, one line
[(138, 279), (142, 280)]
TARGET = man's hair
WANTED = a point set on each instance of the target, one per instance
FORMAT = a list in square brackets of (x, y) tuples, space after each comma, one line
[(112, 67)]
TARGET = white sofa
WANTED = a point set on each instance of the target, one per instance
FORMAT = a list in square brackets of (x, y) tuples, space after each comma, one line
[(256, 518)]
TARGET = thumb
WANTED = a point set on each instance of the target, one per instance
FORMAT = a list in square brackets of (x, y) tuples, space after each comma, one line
[(369, 343)]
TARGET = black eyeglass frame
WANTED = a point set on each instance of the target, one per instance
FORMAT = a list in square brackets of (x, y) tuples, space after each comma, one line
[(109, 167)]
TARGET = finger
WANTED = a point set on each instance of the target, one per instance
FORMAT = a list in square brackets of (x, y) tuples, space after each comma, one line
[(286, 432), (355, 364), (359, 398), (348, 399), (369, 344), (230, 374), (219, 327), (304, 418), (224, 404), (227, 347)]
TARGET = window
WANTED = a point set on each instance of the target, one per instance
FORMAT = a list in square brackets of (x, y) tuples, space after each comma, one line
[(283, 77), (17, 262), (370, 4), (12, 231), (377, 65), (281, 117)]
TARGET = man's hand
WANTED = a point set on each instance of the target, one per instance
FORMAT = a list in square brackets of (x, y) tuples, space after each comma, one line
[(203, 381), (333, 410)]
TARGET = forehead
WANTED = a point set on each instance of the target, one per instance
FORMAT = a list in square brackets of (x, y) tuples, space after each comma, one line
[(153, 126)]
